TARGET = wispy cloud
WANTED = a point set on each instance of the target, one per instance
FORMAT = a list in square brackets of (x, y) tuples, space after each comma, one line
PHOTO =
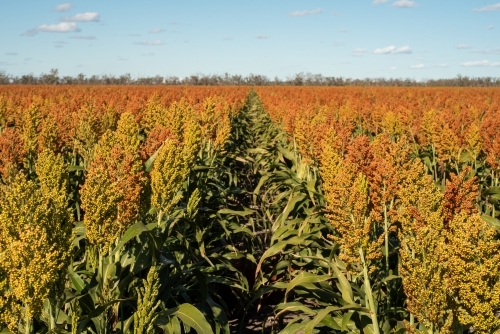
[(489, 8), (150, 43), (262, 37), (306, 12), (463, 46), (386, 50), (442, 65), (6, 63), (404, 4), (83, 17), (59, 42), (60, 27), (359, 50), (393, 68), (337, 44), (403, 49), (148, 54), (490, 27), (344, 30), (64, 7), (487, 51), (156, 30), (83, 37), (376, 2), (393, 50), (11, 54), (481, 63), (418, 66)]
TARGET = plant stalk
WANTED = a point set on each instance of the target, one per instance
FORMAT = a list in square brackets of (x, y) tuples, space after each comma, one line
[(368, 292)]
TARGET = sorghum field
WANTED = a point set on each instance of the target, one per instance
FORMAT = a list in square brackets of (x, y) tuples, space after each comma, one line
[(234, 210)]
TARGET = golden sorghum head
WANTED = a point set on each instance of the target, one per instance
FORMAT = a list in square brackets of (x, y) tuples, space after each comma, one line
[(127, 133), (215, 121), (392, 124), (154, 113), (446, 143), (11, 153), (472, 257), (450, 258), (31, 120), (428, 128), (147, 303), (474, 142), (346, 194), (88, 130), (111, 196), (36, 238), (460, 195), (49, 135), (172, 167)]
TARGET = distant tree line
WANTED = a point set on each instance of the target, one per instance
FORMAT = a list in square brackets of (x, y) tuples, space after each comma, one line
[(300, 79)]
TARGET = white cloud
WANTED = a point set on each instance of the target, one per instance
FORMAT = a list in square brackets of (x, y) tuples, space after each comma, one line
[(481, 63), (489, 8), (403, 49), (156, 30), (393, 68), (11, 54), (64, 7), (60, 27), (150, 43), (393, 50), (376, 2), (306, 12), (262, 37), (464, 46), (404, 4), (82, 17), (418, 66), (83, 37), (386, 50)]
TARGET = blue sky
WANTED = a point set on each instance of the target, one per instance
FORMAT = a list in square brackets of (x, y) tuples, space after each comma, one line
[(420, 39)]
